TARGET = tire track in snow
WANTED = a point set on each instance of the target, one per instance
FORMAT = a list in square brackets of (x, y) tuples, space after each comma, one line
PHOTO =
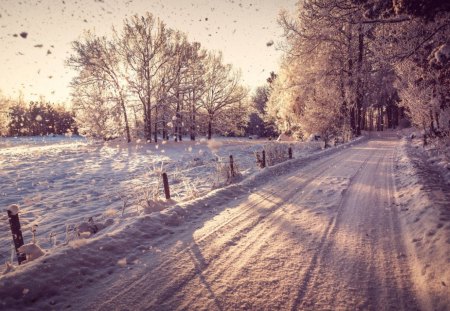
[(324, 241), (241, 219), (362, 261), (240, 265), (325, 249)]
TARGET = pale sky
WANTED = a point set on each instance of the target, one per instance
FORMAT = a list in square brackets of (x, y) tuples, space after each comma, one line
[(35, 64)]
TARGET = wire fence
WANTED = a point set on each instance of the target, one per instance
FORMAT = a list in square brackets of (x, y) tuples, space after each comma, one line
[(134, 198)]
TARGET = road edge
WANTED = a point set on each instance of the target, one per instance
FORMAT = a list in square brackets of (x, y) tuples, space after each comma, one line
[(416, 213)]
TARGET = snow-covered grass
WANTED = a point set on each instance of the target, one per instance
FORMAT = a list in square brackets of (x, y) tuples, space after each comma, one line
[(119, 235), (437, 150), (123, 242), (423, 200), (63, 182)]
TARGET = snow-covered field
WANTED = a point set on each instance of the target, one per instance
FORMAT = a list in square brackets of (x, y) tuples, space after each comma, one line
[(361, 226), (60, 182)]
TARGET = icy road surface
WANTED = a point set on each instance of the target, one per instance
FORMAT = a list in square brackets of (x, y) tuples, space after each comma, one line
[(325, 237)]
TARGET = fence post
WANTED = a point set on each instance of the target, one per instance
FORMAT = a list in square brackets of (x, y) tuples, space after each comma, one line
[(166, 185), (231, 166), (14, 223), (263, 165), (290, 152)]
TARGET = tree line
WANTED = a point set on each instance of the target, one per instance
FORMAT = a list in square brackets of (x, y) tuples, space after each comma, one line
[(36, 118), (353, 65), (149, 80)]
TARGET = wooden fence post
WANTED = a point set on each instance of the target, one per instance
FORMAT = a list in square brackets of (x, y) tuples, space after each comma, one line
[(14, 223), (232, 166), (263, 165), (290, 152), (166, 185)]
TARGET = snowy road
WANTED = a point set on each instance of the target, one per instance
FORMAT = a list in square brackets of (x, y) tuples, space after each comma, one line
[(325, 237)]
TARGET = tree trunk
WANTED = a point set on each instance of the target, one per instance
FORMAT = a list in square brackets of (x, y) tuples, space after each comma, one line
[(350, 78), (164, 130), (359, 86), (352, 120), (389, 116), (176, 121), (395, 116), (432, 131), (364, 119), (148, 125), (378, 119), (210, 128), (380, 113), (180, 128), (192, 116), (125, 116), (424, 134), (193, 122), (147, 117), (438, 126), (175, 130), (177, 124), (344, 106), (155, 134), (135, 117)]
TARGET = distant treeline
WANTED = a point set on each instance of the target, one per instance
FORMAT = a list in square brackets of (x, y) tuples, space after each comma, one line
[(37, 118)]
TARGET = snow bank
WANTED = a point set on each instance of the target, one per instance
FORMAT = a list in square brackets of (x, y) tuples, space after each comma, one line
[(122, 243), (61, 182), (32, 252), (425, 216)]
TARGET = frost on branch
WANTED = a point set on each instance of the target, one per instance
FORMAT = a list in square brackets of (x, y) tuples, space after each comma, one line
[(276, 153)]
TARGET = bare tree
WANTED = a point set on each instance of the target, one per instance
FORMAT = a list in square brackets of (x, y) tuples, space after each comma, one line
[(5, 104), (194, 84), (95, 114), (144, 47), (180, 63), (97, 62), (223, 88), (158, 75)]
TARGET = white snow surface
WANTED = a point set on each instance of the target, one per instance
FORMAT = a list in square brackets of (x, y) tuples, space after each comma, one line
[(60, 182), (330, 230), (32, 252), (13, 209), (423, 196)]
